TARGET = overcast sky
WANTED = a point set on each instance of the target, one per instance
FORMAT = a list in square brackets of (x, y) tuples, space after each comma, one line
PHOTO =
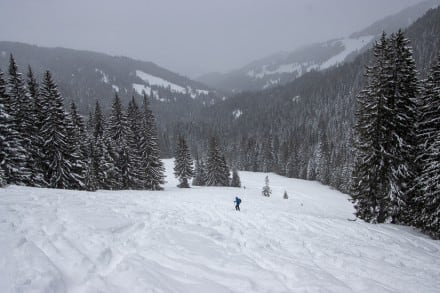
[(188, 36)]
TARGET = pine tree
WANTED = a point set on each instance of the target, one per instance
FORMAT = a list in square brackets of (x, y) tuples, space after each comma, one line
[(216, 166), (200, 173), (12, 153), (403, 147), (101, 170), (235, 182), (58, 157), (426, 207), (384, 177), (34, 128), (151, 164), (183, 163), (134, 123), (98, 122), (20, 107), (76, 138), (118, 132), (285, 196), (371, 176), (266, 189)]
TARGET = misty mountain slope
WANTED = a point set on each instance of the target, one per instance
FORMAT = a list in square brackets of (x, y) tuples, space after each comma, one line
[(192, 240), (85, 77), (289, 125), (284, 67)]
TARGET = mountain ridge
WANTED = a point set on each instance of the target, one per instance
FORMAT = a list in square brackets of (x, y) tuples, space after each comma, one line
[(85, 76), (288, 66)]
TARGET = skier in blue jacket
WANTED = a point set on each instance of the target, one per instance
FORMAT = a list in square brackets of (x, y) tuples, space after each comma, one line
[(237, 203)]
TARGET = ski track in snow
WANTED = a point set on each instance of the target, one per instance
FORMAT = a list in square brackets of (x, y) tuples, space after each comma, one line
[(194, 241)]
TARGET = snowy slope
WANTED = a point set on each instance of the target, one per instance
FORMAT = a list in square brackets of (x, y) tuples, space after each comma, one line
[(154, 80), (351, 45), (194, 241), (151, 80)]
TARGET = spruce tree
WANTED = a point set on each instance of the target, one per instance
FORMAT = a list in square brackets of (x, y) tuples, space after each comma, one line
[(285, 196), (371, 177), (98, 122), (76, 138), (183, 163), (266, 188), (20, 106), (37, 115), (12, 153), (216, 166), (403, 147), (151, 164), (384, 175), (58, 157), (200, 173), (134, 123), (118, 132), (426, 207)]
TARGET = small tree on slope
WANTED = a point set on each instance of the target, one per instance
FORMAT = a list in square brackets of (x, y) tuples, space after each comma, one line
[(183, 163), (266, 189)]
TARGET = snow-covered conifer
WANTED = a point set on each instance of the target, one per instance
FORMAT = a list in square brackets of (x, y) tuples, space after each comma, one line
[(57, 149), (216, 167), (200, 173), (151, 164), (183, 163), (426, 206), (266, 188)]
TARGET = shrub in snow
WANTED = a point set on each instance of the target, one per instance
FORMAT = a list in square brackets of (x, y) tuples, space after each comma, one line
[(266, 189)]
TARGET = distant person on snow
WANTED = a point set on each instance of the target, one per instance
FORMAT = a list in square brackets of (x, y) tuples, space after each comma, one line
[(237, 203)]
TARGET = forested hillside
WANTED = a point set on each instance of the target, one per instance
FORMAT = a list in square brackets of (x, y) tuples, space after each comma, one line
[(305, 128), (85, 77)]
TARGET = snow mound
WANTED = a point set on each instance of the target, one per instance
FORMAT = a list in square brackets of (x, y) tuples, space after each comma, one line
[(193, 240)]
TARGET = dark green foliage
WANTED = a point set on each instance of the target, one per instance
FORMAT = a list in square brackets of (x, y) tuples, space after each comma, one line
[(267, 192), (36, 150), (58, 157), (76, 139), (200, 173), (12, 154), (118, 133), (183, 163), (426, 206), (384, 174), (42, 145), (151, 165), (217, 171), (19, 107)]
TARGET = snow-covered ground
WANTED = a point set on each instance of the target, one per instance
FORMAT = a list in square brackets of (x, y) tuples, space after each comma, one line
[(350, 45), (194, 241), (154, 80)]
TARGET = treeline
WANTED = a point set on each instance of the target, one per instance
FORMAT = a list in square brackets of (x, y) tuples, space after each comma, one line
[(210, 170), (42, 145), (397, 139)]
